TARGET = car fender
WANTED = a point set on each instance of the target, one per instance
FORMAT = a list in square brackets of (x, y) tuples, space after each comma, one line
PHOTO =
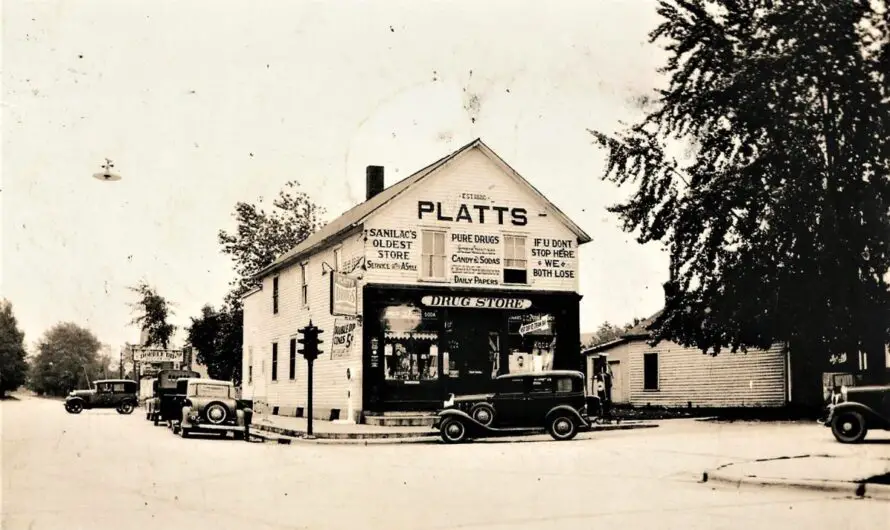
[(872, 417), (565, 409), (472, 425), (184, 422)]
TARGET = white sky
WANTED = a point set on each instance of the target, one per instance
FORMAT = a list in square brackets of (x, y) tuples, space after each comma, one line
[(203, 104)]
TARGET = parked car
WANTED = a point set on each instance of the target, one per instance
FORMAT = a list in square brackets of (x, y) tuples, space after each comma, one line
[(210, 406), (165, 403), (555, 400), (120, 394), (855, 410)]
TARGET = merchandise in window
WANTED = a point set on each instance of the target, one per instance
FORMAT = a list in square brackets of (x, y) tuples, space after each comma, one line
[(410, 347), (531, 342)]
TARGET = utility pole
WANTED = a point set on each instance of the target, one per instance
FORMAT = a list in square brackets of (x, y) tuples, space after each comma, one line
[(310, 341)]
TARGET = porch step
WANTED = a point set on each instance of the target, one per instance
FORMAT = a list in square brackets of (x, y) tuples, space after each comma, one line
[(402, 419)]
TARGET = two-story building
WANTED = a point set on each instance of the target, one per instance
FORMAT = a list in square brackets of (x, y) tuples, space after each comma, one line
[(433, 285)]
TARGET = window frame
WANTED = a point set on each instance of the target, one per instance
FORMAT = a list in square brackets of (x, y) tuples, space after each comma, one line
[(524, 259), (647, 377), (338, 258), (275, 294), (274, 362), (304, 283), (292, 360), (423, 255)]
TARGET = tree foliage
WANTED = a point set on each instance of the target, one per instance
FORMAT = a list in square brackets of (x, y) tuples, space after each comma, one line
[(152, 311), (216, 337), (263, 236), (260, 238), (777, 221), (67, 359), (13, 367), (608, 332)]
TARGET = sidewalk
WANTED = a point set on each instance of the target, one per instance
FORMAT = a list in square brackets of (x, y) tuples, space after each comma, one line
[(849, 475), (284, 429)]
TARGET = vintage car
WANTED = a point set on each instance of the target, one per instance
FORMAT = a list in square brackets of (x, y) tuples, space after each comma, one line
[(855, 410), (210, 406), (120, 394), (165, 403), (555, 400)]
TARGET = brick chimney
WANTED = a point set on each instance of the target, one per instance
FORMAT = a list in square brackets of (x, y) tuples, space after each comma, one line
[(374, 181)]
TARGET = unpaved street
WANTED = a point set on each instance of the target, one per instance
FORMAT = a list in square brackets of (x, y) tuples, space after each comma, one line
[(100, 470)]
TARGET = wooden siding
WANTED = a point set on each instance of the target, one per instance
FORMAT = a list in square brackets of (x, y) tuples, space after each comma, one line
[(755, 379), (262, 328)]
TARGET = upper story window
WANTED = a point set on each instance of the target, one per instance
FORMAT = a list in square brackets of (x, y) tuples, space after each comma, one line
[(515, 262), (275, 294), (338, 259), (433, 255), (304, 283)]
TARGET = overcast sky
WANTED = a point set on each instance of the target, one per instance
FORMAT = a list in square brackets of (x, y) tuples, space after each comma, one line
[(203, 104)]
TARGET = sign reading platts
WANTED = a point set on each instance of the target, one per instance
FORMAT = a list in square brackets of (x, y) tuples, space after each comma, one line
[(476, 302), (156, 355), (344, 295)]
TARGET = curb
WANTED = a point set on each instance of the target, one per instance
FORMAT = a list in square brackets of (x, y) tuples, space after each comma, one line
[(288, 436), (851, 488)]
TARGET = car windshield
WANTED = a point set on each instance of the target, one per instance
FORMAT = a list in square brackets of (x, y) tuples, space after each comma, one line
[(204, 390)]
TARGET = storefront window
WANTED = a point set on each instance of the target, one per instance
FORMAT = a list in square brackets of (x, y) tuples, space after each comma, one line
[(410, 348), (532, 342)]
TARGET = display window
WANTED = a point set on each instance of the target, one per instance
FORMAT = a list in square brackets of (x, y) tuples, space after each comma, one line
[(531, 342), (410, 343)]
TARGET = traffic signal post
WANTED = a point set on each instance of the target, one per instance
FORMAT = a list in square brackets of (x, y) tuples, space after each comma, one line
[(310, 341)]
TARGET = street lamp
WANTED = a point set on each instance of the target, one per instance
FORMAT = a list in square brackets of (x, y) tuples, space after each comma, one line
[(106, 175)]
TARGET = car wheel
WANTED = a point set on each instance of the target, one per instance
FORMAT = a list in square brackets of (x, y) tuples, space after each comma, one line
[(125, 408), (849, 427), (239, 436), (216, 413), (183, 433), (156, 421), (453, 431), (562, 427), (75, 407), (483, 413)]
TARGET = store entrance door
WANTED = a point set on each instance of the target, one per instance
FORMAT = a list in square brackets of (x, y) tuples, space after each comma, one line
[(474, 344)]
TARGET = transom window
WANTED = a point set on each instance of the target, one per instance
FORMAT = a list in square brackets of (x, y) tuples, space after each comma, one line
[(433, 254), (515, 262)]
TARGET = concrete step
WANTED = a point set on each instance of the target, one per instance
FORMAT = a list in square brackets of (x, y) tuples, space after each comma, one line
[(406, 420)]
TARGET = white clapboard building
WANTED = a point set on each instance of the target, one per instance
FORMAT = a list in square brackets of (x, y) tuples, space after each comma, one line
[(433, 285)]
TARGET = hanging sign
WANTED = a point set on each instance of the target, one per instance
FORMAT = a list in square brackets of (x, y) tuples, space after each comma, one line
[(476, 302), (344, 295), (156, 355), (537, 325), (344, 334)]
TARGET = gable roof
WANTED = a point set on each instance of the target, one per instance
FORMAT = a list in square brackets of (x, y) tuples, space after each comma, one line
[(355, 216)]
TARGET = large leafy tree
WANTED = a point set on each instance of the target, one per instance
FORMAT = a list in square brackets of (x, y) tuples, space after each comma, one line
[(776, 215), (261, 236), (152, 311), (216, 337), (13, 367), (67, 359)]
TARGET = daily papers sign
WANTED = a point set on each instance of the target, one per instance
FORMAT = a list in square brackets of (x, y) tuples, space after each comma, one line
[(150, 355)]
